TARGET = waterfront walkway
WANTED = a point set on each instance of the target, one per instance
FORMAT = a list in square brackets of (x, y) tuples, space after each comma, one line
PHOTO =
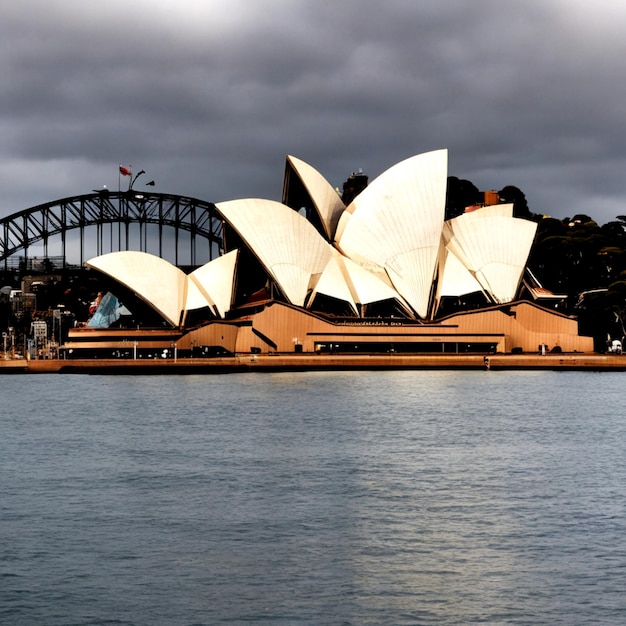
[(312, 362)]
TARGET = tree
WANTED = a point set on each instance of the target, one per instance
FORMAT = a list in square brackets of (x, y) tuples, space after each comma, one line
[(512, 194), (460, 194)]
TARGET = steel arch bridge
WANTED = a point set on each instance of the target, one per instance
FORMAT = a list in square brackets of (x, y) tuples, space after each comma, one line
[(129, 210)]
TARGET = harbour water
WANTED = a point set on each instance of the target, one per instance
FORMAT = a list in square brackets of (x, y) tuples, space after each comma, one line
[(313, 498)]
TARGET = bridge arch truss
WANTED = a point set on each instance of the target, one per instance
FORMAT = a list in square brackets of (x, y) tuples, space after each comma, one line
[(121, 221)]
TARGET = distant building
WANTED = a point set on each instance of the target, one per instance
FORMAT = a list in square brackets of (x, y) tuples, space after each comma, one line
[(352, 187), (490, 197), (22, 303)]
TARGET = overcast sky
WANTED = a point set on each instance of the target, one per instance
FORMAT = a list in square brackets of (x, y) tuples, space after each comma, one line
[(208, 96)]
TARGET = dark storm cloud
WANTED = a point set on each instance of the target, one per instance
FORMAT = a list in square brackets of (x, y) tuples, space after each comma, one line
[(208, 97)]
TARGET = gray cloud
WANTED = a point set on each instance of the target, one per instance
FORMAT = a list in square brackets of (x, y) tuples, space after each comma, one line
[(208, 97)]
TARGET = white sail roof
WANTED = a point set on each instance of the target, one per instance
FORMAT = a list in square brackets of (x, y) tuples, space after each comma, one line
[(156, 281), (288, 246), (389, 244), (333, 283), (493, 210), (326, 200), (346, 280), (395, 224), (456, 279), (368, 286), (215, 283), (494, 249)]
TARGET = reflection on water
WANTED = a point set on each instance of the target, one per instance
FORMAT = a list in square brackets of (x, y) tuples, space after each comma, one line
[(319, 498)]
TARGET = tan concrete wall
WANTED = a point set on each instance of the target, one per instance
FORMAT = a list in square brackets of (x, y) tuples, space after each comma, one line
[(526, 326), (280, 328)]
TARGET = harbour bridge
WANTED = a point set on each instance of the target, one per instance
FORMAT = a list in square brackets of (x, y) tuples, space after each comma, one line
[(187, 230)]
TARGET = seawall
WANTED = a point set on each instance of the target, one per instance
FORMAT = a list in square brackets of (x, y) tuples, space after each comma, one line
[(313, 362)]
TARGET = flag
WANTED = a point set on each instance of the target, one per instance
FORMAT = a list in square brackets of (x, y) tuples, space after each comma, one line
[(124, 171)]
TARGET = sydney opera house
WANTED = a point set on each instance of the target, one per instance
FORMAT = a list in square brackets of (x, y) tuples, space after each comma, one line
[(312, 275)]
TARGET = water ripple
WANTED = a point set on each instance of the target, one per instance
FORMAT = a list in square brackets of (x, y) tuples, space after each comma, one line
[(321, 498)]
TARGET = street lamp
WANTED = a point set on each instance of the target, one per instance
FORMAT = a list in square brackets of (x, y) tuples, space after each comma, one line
[(134, 180)]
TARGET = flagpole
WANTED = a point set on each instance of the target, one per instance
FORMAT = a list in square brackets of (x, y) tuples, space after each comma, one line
[(119, 207), (124, 171)]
